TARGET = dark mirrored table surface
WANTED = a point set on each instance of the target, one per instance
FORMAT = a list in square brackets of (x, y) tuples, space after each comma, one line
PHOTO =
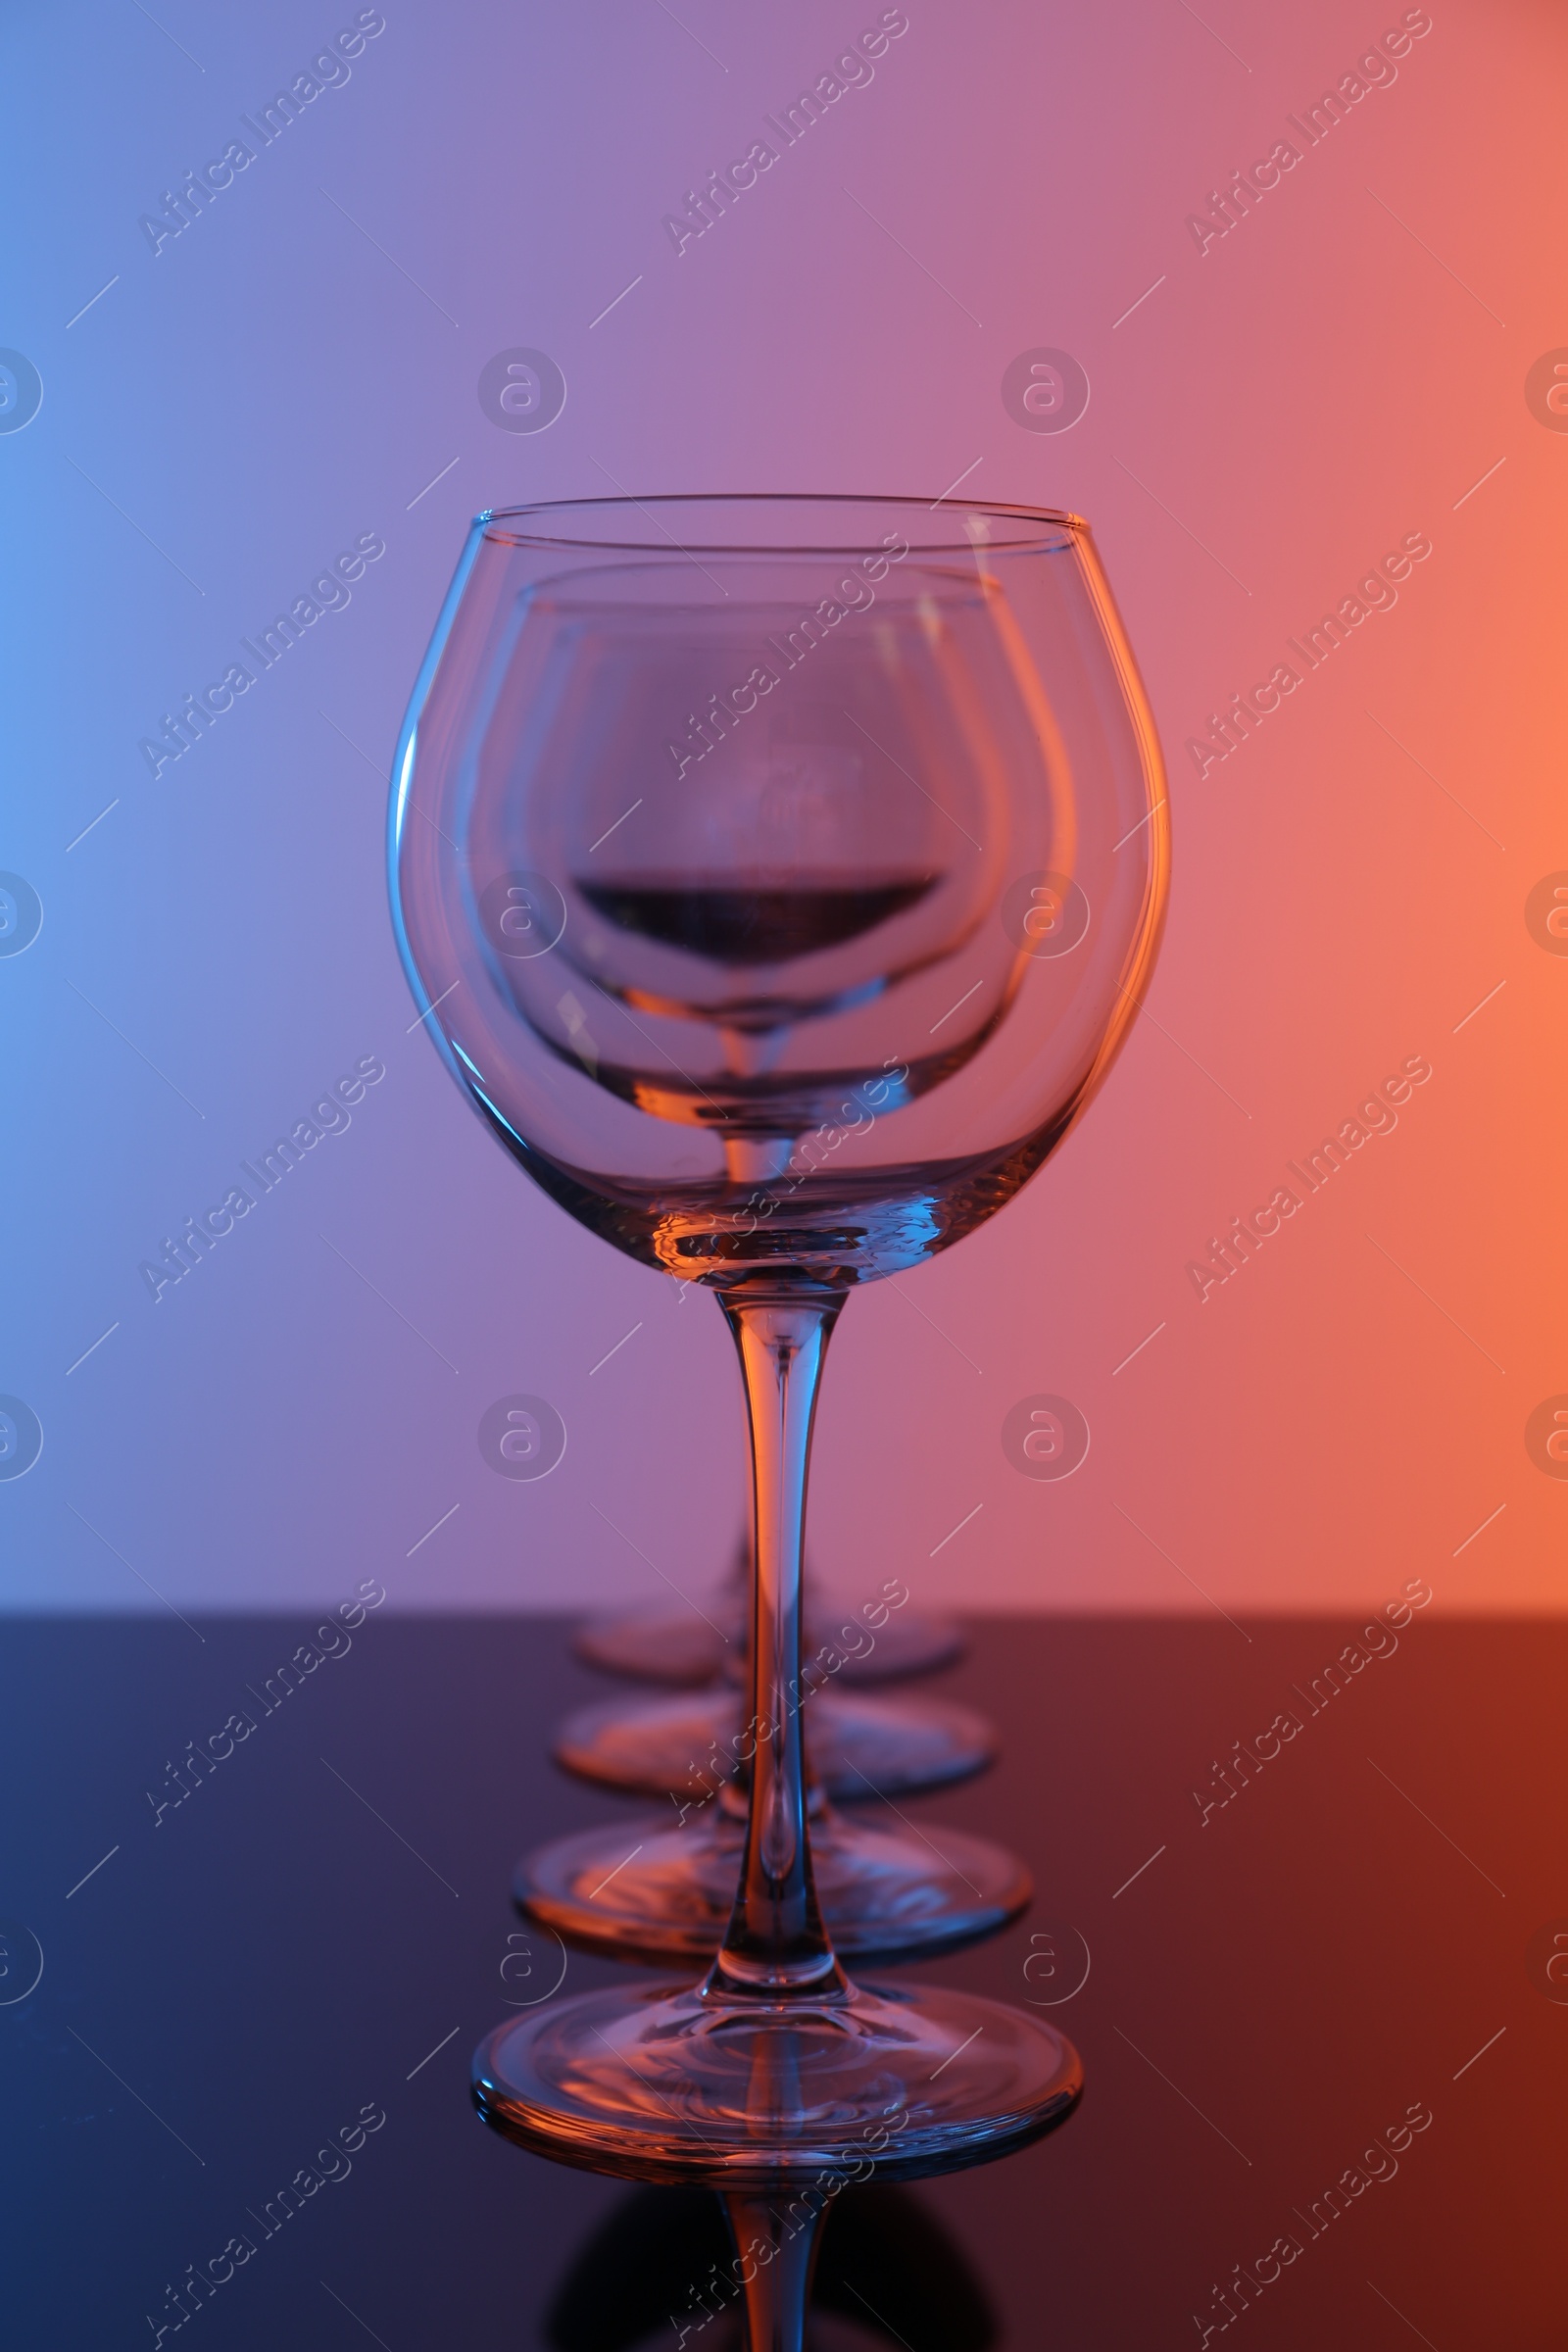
[(1325, 2032)]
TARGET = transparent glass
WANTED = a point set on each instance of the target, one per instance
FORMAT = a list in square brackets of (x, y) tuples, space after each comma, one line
[(863, 1744), (778, 878), (668, 1641), (661, 1887)]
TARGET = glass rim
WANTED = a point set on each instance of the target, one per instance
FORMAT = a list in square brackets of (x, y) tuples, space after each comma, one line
[(1047, 524)]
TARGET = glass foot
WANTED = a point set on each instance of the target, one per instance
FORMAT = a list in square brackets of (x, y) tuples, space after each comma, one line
[(660, 1644), (669, 2085), (649, 1889), (686, 1745)]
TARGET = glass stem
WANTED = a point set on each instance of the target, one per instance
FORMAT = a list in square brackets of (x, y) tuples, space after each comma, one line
[(780, 2259), (777, 1943)]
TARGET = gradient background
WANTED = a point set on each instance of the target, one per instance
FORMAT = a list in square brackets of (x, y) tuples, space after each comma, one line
[(216, 949)]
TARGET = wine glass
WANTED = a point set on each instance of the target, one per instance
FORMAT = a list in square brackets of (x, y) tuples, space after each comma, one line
[(663, 1642), (863, 1743), (778, 877), (662, 1886)]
